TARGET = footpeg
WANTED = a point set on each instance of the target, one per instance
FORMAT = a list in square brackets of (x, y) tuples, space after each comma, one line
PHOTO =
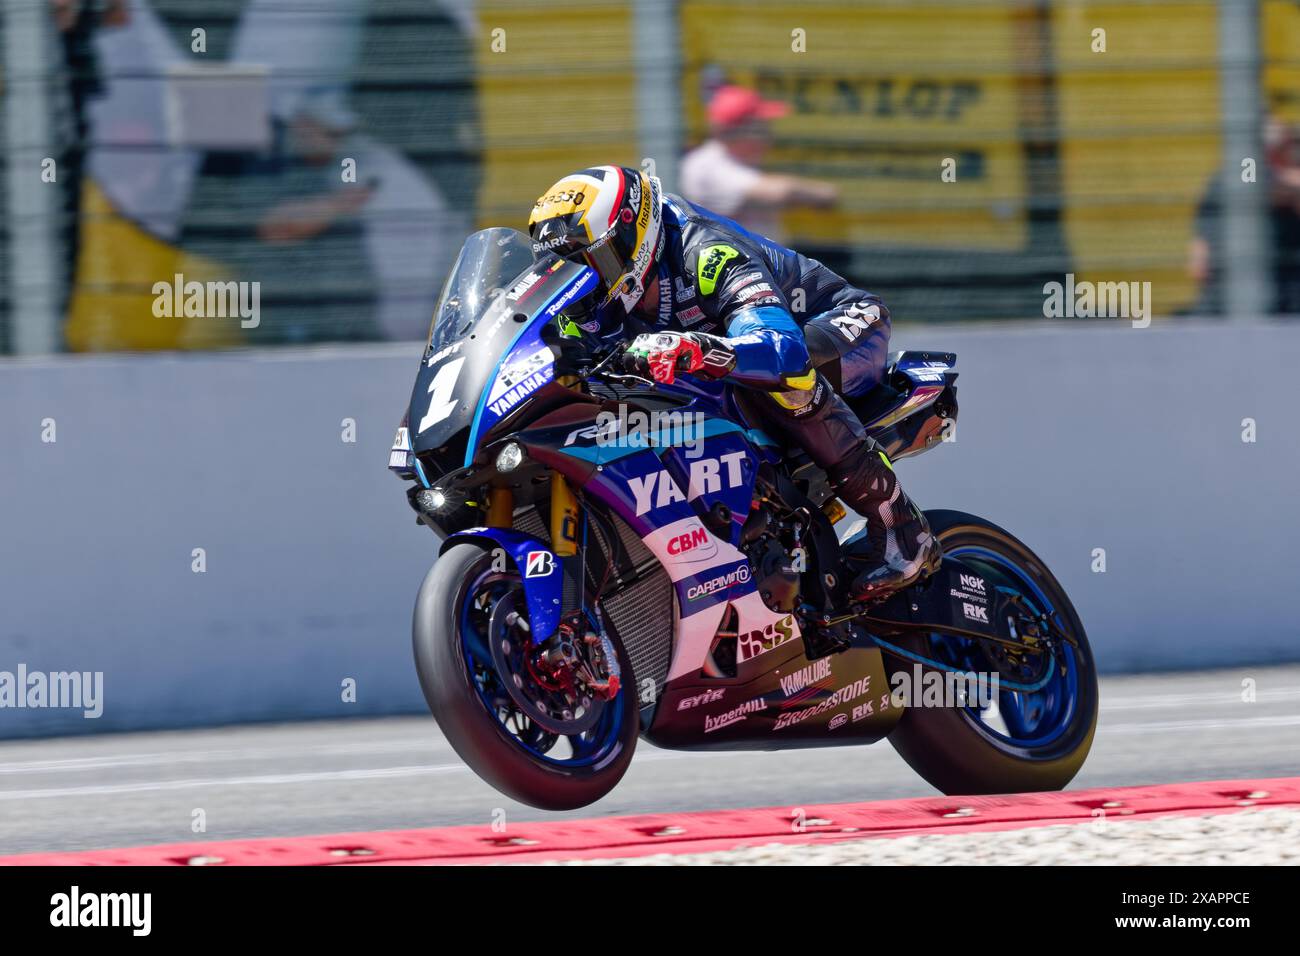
[(822, 640)]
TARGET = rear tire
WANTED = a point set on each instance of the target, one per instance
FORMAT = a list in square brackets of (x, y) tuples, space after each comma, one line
[(474, 731), (950, 747)]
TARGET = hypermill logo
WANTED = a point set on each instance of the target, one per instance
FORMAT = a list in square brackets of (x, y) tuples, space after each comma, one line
[(208, 300)]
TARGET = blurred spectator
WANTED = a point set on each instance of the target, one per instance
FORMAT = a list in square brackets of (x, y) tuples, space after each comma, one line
[(1206, 253), (285, 219), (722, 173)]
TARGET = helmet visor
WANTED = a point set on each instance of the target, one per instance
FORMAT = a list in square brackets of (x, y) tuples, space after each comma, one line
[(609, 265)]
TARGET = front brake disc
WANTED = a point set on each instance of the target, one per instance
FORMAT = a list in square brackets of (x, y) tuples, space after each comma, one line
[(565, 712)]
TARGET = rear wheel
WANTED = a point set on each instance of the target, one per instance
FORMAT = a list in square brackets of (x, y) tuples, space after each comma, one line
[(537, 741), (1039, 729)]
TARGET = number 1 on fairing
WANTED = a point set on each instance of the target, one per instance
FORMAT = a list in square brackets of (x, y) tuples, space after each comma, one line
[(440, 389)]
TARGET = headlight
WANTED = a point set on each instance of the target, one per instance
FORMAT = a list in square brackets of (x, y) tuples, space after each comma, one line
[(509, 458), (430, 500)]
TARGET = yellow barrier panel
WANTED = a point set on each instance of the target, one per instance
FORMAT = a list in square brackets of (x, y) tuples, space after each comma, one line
[(117, 266), (884, 93), (557, 92)]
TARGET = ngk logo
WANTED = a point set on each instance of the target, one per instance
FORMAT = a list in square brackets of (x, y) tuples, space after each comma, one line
[(694, 541), (972, 582)]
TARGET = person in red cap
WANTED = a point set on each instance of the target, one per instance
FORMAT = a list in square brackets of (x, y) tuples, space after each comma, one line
[(722, 173)]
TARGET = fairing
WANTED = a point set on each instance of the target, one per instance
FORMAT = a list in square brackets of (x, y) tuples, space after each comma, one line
[(485, 354)]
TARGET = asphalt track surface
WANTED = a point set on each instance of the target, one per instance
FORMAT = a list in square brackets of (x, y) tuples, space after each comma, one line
[(400, 773)]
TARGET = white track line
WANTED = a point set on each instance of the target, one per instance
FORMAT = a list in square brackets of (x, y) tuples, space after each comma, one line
[(413, 771), (254, 781)]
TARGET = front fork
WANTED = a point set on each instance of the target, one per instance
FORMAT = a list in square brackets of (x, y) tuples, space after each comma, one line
[(562, 649), (564, 514)]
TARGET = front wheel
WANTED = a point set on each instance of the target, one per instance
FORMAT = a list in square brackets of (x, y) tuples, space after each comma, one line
[(553, 747), (1038, 729)]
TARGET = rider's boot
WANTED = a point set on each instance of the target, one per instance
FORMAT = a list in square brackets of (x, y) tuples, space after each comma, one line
[(901, 546)]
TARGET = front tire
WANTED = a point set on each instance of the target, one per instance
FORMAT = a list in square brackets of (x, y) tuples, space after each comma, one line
[(1045, 735), (461, 686)]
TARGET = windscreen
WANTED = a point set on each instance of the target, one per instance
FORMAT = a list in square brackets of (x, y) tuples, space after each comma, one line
[(489, 262)]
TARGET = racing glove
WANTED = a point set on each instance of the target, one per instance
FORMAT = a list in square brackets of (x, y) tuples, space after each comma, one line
[(661, 355)]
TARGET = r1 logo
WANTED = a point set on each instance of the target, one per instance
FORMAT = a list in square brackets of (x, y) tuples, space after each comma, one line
[(539, 564)]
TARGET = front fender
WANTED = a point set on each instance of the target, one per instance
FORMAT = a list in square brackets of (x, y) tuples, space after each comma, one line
[(539, 569)]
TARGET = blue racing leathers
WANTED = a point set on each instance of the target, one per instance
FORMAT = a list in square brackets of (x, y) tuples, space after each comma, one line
[(784, 312), (785, 325)]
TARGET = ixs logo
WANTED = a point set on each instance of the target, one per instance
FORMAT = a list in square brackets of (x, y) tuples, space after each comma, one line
[(693, 545), (707, 475), (972, 582), (708, 697), (738, 576), (711, 263), (974, 612), (751, 645), (539, 564)]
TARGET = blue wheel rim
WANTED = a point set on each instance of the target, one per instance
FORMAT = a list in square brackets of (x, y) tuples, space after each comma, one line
[(588, 749), (1036, 720)]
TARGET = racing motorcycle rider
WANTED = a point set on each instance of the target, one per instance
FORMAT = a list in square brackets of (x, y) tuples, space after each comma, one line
[(703, 295)]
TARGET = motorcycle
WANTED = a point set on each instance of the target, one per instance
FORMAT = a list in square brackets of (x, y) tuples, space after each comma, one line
[(621, 558)]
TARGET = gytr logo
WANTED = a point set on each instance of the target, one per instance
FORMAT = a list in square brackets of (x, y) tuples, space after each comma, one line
[(658, 490), (540, 564), (711, 696)]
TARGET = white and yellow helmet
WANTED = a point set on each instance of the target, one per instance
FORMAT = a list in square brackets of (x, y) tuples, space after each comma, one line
[(608, 217)]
